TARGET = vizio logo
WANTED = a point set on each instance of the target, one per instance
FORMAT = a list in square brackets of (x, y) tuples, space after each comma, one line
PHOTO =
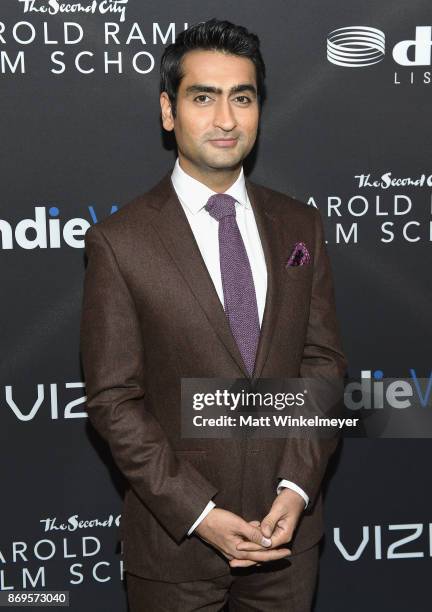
[(46, 230), (372, 537), (359, 46), (47, 401)]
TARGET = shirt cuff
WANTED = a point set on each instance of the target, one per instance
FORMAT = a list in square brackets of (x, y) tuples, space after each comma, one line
[(291, 485), (203, 514)]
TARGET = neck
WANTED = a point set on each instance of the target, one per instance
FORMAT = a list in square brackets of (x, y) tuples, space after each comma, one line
[(216, 180)]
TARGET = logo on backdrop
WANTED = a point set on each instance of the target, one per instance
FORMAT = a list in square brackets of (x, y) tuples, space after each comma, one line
[(380, 392), (81, 556), (74, 523), (53, 7), (387, 180), (402, 206), (355, 46), (47, 230), (362, 46), (378, 542), (47, 401), (111, 46)]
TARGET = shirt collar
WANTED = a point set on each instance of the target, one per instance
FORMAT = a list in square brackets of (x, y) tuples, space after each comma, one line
[(194, 194)]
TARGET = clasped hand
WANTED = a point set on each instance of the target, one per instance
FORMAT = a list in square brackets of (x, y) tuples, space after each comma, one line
[(252, 543)]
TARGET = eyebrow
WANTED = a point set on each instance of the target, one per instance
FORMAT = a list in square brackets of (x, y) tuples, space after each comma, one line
[(198, 88)]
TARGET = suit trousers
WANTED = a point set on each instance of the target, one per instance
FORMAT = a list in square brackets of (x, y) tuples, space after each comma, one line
[(285, 585)]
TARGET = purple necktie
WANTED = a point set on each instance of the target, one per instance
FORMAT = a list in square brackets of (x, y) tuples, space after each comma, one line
[(238, 287)]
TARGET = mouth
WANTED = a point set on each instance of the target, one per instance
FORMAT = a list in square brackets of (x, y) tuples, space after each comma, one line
[(223, 143)]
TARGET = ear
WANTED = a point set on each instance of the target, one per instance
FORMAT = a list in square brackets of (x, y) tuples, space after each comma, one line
[(166, 112)]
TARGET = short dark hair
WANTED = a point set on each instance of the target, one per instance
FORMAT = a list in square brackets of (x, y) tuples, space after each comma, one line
[(211, 35)]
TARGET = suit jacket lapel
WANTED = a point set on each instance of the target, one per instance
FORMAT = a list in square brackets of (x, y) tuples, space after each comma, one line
[(177, 236), (270, 240)]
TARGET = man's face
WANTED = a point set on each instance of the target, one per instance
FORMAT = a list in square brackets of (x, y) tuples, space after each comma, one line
[(217, 110)]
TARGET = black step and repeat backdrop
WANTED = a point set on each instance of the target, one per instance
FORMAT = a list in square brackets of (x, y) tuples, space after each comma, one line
[(346, 127)]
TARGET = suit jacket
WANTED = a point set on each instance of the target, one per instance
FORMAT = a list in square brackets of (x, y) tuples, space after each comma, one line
[(150, 316)]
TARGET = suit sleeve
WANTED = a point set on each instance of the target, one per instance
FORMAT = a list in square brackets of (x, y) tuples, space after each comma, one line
[(113, 361), (305, 460)]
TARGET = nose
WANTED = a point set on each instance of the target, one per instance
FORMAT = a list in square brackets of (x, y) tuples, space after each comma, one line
[(224, 115)]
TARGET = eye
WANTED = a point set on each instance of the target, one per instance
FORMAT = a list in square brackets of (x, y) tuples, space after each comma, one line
[(243, 100), (202, 98)]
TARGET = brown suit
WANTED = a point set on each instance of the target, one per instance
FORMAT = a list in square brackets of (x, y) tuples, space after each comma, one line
[(151, 315)]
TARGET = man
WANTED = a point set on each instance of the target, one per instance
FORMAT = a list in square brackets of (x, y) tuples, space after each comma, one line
[(190, 280)]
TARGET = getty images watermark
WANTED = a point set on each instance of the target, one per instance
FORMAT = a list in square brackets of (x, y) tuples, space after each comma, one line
[(306, 408)]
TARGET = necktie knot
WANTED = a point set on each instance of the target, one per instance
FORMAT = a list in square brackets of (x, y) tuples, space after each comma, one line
[(221, 205)]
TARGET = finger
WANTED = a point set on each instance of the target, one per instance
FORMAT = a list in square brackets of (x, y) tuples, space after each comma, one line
[(283, 532), (252, 546), (265, 555), (242, 563), (241, 544), (254, 534), (269, 522)]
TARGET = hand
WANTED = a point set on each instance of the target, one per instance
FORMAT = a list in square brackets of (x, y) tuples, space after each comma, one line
[(225, 530), (279, 524)]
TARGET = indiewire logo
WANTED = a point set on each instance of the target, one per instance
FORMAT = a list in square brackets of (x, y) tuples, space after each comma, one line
[(359, 46), (374, 391), (45, 231), (355, 46)]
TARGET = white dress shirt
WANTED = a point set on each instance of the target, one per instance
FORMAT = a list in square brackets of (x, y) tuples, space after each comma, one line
[(193, 196)]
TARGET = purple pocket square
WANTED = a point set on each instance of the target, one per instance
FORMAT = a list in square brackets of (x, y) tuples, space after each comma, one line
[(299, 256)]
